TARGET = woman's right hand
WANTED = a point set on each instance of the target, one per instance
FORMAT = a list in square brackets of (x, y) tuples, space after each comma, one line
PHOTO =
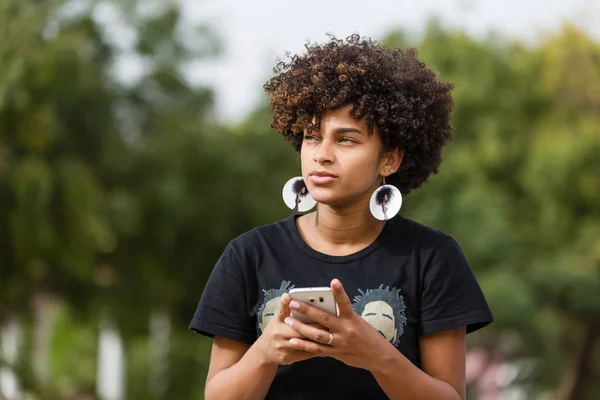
[(274, 341)]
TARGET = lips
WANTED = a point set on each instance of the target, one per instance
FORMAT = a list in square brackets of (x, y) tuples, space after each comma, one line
[(322, 174), (322, 177)]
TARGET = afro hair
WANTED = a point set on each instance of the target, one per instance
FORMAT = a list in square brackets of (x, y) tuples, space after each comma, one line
[(381, 193), (297, 187), (389, 87)]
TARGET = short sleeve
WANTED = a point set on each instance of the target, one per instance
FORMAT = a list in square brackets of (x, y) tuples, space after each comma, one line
[(222, 309), (451, 295)]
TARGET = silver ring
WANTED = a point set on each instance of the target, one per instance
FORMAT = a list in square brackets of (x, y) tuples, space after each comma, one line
[(330, 337)]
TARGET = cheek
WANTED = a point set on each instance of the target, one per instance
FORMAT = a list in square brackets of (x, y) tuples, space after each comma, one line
[(305, 158), (365, 158), (361, 170)]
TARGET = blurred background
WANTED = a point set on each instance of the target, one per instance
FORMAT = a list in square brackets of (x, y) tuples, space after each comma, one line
[(135, 143)]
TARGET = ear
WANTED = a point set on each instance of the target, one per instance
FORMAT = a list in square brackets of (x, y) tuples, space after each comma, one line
[(391, 162)]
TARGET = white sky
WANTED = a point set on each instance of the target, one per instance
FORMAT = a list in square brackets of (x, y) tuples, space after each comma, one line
[(255, 32)]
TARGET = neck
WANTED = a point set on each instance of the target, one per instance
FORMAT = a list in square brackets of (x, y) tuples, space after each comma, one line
[(346, 227)]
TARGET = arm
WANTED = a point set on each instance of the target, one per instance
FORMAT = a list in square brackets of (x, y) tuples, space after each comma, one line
[(451, 298), (238, 371), (443, 374)]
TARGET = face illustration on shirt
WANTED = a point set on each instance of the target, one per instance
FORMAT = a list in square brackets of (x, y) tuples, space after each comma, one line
[(268, 312), (271, 300), (380, 316), (384, 309)]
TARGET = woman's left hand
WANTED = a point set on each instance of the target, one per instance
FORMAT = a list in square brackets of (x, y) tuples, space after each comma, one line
[(355, 342)]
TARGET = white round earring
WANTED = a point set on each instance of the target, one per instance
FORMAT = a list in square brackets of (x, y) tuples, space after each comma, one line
[(385, 202), (296, 196)]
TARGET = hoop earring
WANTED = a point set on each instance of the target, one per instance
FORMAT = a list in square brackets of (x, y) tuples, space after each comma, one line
[(385, 202), (296, 196)]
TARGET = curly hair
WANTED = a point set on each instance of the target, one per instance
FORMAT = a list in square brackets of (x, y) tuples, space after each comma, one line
[(297, 187), (380, 196), (391, 88)]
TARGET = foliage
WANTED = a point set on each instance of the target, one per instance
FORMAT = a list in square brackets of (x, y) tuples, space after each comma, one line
[(520, 189), (118, 193)]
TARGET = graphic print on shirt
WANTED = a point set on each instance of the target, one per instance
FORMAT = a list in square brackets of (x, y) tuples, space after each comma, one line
[(384, 310), (270, 304)]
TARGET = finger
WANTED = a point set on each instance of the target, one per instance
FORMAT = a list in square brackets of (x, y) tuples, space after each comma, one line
[(313, 324), (341, 298), (284, 307), (311, 347), (308, 331), (321, 317), (288, 332)]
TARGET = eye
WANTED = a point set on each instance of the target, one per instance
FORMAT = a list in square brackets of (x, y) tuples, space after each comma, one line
[(347, 140), (309, 137), (370, 314)]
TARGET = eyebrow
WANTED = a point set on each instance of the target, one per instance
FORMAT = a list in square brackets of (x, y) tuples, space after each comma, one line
[(346, 130)]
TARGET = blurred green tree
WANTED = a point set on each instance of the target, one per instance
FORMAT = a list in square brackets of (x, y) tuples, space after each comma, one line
[(91, 167), (118, 191), (520, 189)]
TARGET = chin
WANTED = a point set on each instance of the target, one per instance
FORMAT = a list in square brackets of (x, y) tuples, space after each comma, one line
[(331, 201), (321, 198)]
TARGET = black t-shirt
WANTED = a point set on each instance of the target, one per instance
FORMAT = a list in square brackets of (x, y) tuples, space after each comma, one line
[(412, 280)]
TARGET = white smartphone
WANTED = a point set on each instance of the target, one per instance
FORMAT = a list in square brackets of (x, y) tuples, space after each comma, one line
[(318, 297)]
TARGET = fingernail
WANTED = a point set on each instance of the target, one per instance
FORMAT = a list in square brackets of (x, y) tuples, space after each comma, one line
[(293, 341), (294, 304), (288, 321), (337, 284)]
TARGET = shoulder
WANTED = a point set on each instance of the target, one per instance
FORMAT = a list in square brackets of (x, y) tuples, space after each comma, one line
[(268, 231), (420, 235), (428, 244), (260, 237)]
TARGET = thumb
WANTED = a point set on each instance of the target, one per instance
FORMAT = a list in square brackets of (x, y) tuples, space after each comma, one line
[(284, 307)]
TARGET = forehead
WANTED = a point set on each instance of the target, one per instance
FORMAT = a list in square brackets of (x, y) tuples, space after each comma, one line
[(340, 114), (378, 306), (341, 118), (273, 302)]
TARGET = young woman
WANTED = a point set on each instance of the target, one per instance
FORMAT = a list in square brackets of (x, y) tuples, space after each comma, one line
[(359, 114)]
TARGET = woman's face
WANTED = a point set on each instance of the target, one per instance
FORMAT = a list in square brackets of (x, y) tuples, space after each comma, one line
[(341, 162)]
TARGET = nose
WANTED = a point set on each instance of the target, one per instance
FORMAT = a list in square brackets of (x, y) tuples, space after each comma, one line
[(324, 153)]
